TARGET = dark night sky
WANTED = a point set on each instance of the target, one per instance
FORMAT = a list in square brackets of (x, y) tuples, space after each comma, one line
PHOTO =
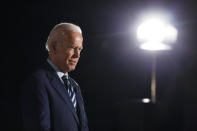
[(113, 72)]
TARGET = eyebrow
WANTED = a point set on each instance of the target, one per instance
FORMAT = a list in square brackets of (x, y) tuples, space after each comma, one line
[(76, 46)]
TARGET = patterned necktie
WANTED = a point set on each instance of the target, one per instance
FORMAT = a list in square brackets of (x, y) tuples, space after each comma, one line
[(70, 89)]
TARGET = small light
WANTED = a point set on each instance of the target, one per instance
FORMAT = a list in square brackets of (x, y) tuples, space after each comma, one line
[(146, 100)]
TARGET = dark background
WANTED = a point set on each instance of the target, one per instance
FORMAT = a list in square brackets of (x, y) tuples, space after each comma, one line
[(114, 74)]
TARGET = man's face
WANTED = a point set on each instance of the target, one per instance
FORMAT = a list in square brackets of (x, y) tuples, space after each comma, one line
[(67, 53)]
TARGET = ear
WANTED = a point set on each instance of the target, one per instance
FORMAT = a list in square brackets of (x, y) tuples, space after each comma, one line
[(53, 47)]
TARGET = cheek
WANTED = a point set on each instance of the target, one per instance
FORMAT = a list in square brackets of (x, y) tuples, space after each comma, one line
[(68, 55), (66, 58)]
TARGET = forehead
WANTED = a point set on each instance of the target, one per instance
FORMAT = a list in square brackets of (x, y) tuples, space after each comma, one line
[(72, 35)]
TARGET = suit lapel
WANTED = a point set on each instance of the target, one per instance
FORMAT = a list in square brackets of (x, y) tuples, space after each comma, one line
[(59, 86)]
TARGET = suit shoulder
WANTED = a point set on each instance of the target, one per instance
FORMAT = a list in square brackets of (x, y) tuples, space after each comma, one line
[(36, 75), (39, 72)]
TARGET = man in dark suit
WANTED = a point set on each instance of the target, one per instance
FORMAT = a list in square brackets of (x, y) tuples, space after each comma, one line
[(51, 99)]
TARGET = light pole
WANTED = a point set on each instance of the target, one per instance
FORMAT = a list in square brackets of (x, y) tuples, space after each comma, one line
[(155, 35)]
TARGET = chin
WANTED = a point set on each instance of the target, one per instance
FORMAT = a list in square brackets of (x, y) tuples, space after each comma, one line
[(71, 69)]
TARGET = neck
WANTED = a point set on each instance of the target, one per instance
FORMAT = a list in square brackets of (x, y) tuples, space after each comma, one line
[(57, 65)]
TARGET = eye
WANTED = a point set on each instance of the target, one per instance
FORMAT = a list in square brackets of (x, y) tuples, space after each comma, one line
[(80, 49), (75, 48), (72, 47)]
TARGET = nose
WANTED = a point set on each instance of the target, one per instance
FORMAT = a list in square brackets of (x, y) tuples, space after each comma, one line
[(76, 53)]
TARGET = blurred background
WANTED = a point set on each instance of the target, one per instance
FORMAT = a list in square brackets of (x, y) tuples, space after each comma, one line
[(114, 74)]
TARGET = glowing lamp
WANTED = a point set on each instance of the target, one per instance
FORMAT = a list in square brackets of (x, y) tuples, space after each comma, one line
[(155, 34)]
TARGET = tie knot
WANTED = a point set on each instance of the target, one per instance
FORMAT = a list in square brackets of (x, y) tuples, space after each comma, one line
[(66, 81), (64, 77)]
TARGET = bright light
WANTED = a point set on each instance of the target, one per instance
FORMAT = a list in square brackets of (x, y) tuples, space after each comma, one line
[(153, 33), (171, 33), (154, 46), (146, 100), (151, 30)]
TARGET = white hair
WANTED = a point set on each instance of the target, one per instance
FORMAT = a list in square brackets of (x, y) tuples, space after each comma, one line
[(59, 30)]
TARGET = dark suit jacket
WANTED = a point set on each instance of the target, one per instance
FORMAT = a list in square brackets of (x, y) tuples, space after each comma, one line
[(46, 105)]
